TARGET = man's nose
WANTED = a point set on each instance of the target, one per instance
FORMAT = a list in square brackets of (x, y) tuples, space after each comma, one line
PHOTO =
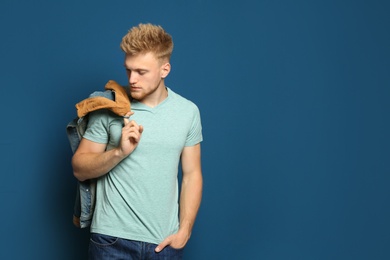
[(132, 78)]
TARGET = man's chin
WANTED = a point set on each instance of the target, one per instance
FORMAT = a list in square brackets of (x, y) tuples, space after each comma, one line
[(136, 95)]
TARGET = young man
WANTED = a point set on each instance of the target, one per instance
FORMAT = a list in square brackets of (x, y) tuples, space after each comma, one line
[(135, 160)]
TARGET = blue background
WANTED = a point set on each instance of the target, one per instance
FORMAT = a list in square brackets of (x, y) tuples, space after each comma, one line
[(294, 97)]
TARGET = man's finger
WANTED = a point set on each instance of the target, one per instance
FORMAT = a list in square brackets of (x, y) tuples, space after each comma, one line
[(127, 117), (162, 245)]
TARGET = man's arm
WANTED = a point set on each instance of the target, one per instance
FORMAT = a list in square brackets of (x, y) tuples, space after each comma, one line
[(91, 160), (190, 197)]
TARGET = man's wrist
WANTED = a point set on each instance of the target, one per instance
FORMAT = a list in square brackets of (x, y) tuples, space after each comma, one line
[(185, 232), (118, 153)]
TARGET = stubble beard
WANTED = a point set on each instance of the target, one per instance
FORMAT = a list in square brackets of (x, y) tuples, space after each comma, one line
[(141, 94)]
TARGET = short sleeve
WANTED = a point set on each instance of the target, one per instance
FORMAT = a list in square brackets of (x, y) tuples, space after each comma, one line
[(97, 130), (195, 134)]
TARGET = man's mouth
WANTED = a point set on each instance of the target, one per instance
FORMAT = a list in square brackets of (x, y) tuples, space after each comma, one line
[(133, 88)]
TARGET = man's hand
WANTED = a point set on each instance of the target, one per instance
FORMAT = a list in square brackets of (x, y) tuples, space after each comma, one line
[(177, 241), (131, 135)]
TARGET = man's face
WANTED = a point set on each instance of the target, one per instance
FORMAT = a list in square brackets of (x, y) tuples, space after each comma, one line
[(145, 73)]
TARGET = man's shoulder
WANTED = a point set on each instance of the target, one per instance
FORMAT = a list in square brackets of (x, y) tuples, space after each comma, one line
[(182, 101)]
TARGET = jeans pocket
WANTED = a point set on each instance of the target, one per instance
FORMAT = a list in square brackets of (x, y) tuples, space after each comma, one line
[(175, 249), (103, 240), (173, 253)]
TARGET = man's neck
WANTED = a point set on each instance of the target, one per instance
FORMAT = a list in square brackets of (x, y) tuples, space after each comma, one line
[(155, 98)]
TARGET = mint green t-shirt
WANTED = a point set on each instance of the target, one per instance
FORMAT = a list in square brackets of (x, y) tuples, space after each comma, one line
[(138, 199)]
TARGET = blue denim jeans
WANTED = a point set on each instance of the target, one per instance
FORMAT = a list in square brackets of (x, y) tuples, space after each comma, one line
[(103, 247)]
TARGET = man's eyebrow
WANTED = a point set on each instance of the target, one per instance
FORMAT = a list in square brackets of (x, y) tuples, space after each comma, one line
[(137, 69)]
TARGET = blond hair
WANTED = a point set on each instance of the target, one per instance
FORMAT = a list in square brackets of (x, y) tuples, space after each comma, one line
[(148, 38)]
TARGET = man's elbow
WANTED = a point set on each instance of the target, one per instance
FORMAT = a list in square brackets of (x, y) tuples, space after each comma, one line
[(78, 176), (76, 171), (194, 178)]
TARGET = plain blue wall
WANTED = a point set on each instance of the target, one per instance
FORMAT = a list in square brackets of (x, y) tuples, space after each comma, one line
[(294, 97)]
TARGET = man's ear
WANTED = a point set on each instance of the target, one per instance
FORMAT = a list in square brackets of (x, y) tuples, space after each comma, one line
[(165, 69)]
